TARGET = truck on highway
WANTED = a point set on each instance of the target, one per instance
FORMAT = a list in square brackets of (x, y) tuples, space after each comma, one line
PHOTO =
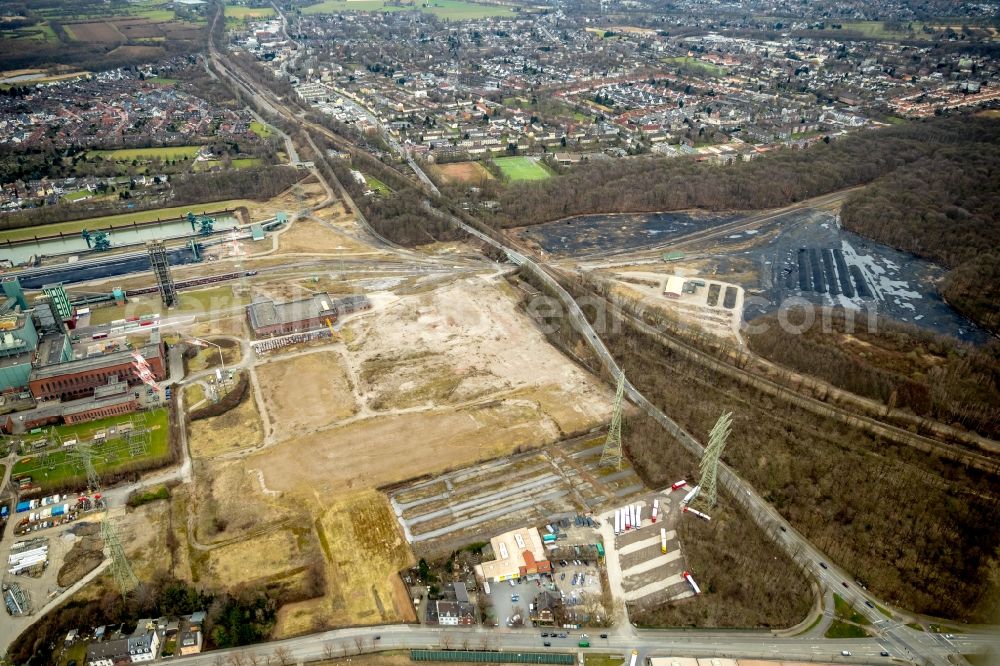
[(584, 641), (634, 658)]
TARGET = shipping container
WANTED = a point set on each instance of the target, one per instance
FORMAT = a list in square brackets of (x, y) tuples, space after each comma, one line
[(600, 550), (23, 506), (60, 510)]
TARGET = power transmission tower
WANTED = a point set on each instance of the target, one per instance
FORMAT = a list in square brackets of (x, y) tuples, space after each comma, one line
[(161, 269), (612, 454), (709, 467), (120, 567)]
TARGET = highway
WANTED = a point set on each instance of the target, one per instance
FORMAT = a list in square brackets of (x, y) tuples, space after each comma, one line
[(342, 642)]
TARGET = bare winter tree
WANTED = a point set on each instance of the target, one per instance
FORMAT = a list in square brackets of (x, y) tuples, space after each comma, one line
[(283, 656)]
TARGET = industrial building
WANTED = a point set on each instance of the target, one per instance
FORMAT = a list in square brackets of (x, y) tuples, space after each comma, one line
[(268, 318), (519, 553), (80, 378), (674, 286)]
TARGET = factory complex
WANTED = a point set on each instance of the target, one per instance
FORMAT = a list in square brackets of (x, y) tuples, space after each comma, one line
[(46, 379)]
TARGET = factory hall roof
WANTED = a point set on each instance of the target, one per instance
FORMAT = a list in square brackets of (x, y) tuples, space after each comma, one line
[(268, 313)]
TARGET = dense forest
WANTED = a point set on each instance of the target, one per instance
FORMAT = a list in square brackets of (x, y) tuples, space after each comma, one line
[(944, 207), (897, 364), (920, 531)]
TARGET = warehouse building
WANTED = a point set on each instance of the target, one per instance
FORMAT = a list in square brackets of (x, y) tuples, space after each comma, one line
[(268, 318), (519, 554), (72, 380)]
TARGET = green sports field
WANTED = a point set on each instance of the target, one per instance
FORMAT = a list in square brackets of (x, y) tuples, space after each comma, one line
[(449, 10), (129, 154), (522, 168)]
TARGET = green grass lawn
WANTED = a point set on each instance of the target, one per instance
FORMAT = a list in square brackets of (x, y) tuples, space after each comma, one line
[(878, 30), (108, 457), (522, 168), (707, 67), (76, 196), (144, 154), (238, 163), (105, 221), (260, 129), (603, 660), (845, 630), (377, 185), (192, 302), (451, 10), (242, 13), (847, 612)]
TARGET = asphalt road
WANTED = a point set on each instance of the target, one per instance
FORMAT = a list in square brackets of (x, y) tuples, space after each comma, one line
[(649, 643)]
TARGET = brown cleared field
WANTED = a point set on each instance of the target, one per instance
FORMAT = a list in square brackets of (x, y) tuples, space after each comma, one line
[(229, 503), (463, 172), (97, 31), (311, 236), (150, 52), (237, 430), (364, 551), (354, 456), (263, 557), (294, 411)]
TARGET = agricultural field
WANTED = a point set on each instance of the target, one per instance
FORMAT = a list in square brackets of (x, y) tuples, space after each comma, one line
[(242, 13), (522, 168), (94, 223), (472, 173), (448, 10), (330, 397), (59, 469), (146, 154)]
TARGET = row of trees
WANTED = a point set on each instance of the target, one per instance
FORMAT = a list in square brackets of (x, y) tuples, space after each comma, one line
[(897, 364), (258, 183)]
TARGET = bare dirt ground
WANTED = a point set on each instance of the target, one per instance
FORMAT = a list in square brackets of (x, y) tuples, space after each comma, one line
[(238, 429), (363, 550), (477, 380), (263, 557), (463, 172), (330, 396)]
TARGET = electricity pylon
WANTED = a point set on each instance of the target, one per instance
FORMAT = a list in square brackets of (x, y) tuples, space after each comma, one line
[(120, 567), (612, 454), (708, 469)]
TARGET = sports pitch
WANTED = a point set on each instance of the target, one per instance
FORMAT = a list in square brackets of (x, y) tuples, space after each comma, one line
[(522, 168)]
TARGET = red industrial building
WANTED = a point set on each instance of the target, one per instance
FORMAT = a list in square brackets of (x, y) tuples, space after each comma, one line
[(268, 318), (79, 378)]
